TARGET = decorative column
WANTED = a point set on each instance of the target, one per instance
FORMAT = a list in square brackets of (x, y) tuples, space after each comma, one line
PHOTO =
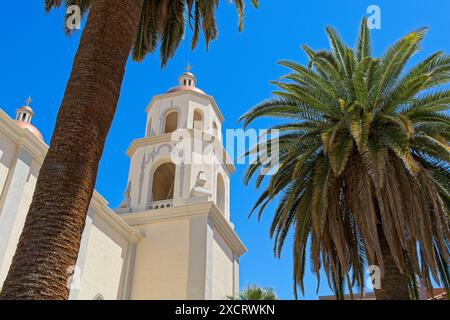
[(11, 199)]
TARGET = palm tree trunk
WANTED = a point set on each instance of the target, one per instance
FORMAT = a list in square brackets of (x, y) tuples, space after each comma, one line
[(394, 285), (50, 240)]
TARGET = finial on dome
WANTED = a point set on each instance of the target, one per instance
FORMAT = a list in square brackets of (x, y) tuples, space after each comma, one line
[(188, 67), (28, 101), (25, 113)]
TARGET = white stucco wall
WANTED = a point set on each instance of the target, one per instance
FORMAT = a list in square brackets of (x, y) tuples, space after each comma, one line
[(162, 261), (147, 154), (14, 235), (222, 272), (107, 243), (7, 151), (189, 252), (186, 251), (104, 263)]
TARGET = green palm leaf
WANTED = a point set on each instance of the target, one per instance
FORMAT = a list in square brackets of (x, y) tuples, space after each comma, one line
[(364, 156), (162, 23)]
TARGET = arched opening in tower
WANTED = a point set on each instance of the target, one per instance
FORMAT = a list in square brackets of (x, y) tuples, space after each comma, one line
[(215, 130), (220, 196), (163, 182), (171, 122), (198, 120)]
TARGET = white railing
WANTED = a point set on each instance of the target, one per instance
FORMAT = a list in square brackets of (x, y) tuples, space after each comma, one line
[(160, 204)]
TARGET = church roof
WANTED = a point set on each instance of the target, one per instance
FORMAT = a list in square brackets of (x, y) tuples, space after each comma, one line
[(29, 126)]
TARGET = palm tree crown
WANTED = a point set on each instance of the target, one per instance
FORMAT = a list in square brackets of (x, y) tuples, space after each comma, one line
[(163, 22), (365, 149), (253, 292)]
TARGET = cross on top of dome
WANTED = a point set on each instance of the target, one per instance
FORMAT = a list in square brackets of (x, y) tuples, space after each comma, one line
[(187, 78), (25, 113)]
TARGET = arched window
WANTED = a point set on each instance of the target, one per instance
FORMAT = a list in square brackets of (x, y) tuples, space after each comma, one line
[(171, 122), (198, 120), (163, 182), (149, 127), (215, 130), (220, 193)]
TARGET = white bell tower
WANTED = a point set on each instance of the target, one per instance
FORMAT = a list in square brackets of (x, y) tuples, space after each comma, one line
[(178, 195)]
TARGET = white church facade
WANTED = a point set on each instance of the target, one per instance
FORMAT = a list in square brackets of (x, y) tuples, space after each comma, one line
[(171, 237)]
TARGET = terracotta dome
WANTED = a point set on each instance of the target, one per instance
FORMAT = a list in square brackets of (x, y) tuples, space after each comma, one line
[(30, 127), (183, 88), (186, 81)]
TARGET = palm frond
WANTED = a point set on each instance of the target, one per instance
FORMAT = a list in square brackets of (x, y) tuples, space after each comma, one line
[(162, 22), (364, 154)]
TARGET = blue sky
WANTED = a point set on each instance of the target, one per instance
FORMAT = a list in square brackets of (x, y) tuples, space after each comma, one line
[(36, 58)]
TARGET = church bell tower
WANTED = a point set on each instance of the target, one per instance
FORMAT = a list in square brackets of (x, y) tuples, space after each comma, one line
[(178, 196)]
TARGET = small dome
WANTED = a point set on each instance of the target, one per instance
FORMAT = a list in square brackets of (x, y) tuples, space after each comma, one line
[(27, 108), (23, 119), (183, 88), (29, 126), (187, 81)]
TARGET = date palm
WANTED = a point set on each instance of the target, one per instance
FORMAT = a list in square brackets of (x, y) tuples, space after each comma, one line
[(363, 177), (49, 244), (253, 292)]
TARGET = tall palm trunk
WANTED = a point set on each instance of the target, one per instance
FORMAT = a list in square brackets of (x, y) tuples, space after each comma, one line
[(50, 240), (394, 284)]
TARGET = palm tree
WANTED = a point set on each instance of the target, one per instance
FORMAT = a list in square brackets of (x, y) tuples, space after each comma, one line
[(363, 176), (253, 292), (50, 240)]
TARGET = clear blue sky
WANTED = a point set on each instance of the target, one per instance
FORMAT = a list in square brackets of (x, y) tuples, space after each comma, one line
[(36, 58)]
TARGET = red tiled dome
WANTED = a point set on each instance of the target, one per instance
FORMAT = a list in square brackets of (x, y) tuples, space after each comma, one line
[(183, 88)]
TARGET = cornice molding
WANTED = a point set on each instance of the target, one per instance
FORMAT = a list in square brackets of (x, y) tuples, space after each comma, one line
[(23, 137), (38, 149), (226, 230), (147, 141), (209, 209), (166, 138), (114, 220), (184, 92)]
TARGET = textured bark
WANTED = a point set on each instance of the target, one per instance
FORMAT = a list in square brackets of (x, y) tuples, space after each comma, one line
[(50, 240), (394, 284)]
